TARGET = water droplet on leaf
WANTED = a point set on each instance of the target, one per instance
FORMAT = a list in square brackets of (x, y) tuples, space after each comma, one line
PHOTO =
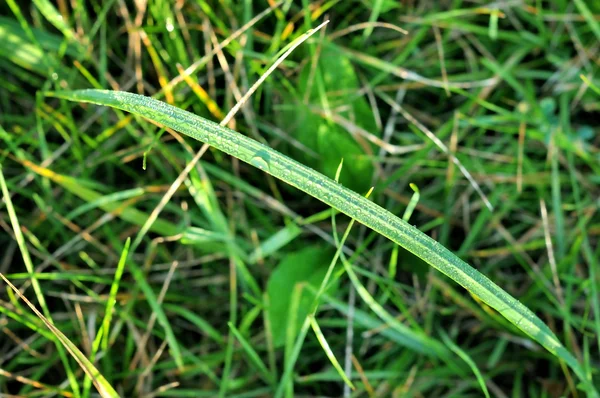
[(261, 160)]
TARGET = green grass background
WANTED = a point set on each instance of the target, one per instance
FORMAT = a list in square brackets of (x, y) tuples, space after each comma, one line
[(235, 259)]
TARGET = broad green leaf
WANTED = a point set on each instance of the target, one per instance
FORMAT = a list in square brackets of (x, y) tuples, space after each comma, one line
[(309, 266), (323, 136), (346, 201)]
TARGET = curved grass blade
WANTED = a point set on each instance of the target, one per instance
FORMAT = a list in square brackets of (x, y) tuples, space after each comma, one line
[(328, 352), (465, 357), (342, 199)]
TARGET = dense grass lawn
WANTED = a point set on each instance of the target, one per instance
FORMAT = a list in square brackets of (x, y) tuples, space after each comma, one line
[(150, 252)]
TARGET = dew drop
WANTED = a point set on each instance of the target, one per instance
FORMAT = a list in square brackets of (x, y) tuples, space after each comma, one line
[(169, 25), (261, 160)]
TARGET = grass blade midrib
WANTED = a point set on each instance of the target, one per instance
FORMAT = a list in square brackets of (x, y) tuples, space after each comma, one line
[(344, 200)]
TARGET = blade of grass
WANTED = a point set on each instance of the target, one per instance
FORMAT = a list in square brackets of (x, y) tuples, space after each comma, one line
[(327, 349), (226, 120), (346, 201), (590, 84), (375, 10), (103, 333), (589, 17), (465, 357), (103, 387), (114, 289), (413, 202), (252, 354), (197, 321), (30, 269), (48, 10)]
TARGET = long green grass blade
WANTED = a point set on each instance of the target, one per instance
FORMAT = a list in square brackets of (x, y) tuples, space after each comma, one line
[(344, 200)]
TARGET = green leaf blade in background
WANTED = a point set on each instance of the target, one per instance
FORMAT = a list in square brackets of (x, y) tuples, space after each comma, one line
[(304, 119), (308, 265), (344, 200)]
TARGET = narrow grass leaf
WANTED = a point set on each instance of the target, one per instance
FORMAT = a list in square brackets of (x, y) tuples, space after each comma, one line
[(199, 322), (28, 321), (465, 357), (112, 298), (53, 16), (413, 202), (431, 344), (275, 242), (590, 84), (328, 352), (142, 283), (589, 17), (252, 354)]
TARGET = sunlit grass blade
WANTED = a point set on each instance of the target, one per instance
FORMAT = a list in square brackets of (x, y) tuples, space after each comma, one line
[(53, 16), (413, 202), (341, 198), (589, 83), (327, 349), (102, 336), (114, 289), (28, 321)]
